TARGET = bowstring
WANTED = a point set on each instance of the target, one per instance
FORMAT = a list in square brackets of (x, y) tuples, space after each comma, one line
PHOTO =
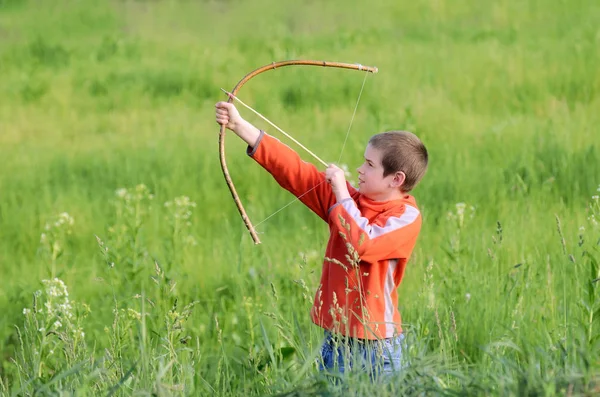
[(353, 115), (339, 159)]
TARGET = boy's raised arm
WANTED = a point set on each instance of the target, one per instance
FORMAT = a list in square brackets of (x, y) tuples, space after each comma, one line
[(295, 175), (300, 178)]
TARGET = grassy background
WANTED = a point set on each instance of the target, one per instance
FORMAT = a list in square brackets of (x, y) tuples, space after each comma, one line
[(97, 96)]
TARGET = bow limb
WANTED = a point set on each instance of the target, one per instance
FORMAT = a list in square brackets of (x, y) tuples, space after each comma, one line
[(238, 86)]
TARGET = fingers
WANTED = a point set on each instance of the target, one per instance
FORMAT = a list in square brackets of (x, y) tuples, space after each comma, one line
[(222, 120), (222, 116), (328, 175), (223, 110), (332, 173), (224, 105), (332, 170)]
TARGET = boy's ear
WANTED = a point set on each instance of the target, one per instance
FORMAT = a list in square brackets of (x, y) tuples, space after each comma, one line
[(398, 180)]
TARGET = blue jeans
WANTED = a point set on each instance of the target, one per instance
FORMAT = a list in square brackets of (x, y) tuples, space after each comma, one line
[(377, 357)]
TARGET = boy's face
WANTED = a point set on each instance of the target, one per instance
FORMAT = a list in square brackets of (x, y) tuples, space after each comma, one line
[(371, 181)]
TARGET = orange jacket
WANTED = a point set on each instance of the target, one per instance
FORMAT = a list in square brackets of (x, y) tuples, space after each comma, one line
[(356, 298)]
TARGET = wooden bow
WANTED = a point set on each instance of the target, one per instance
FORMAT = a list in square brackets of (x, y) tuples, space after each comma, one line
[(236, 89)]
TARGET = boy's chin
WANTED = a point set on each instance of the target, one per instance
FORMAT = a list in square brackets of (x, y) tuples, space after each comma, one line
[(363, 191)]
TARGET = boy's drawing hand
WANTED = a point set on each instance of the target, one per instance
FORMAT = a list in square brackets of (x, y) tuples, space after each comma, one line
[(228, 115), (336, 178)]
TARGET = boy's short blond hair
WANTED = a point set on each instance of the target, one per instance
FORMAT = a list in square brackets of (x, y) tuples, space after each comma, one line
[(402, 151)]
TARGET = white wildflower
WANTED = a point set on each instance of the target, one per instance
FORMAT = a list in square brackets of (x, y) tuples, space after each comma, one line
[(26, 311), (134, 314), (65, 308), (459, 215), (65, 218), (468, 296), (55, 287), (57, 324), (141, 188), (182, 208), (121, 192), (58, 303)]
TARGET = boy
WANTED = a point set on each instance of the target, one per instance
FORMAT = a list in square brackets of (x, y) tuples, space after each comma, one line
[(373, 230)]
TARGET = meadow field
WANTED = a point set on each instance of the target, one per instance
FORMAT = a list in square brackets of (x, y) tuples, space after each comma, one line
[(126, 269)]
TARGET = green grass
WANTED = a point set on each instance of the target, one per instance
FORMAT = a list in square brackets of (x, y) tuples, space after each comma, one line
[(98, 96)]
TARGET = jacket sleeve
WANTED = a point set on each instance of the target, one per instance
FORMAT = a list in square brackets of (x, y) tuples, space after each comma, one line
[(300, 178), (389, 237)]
